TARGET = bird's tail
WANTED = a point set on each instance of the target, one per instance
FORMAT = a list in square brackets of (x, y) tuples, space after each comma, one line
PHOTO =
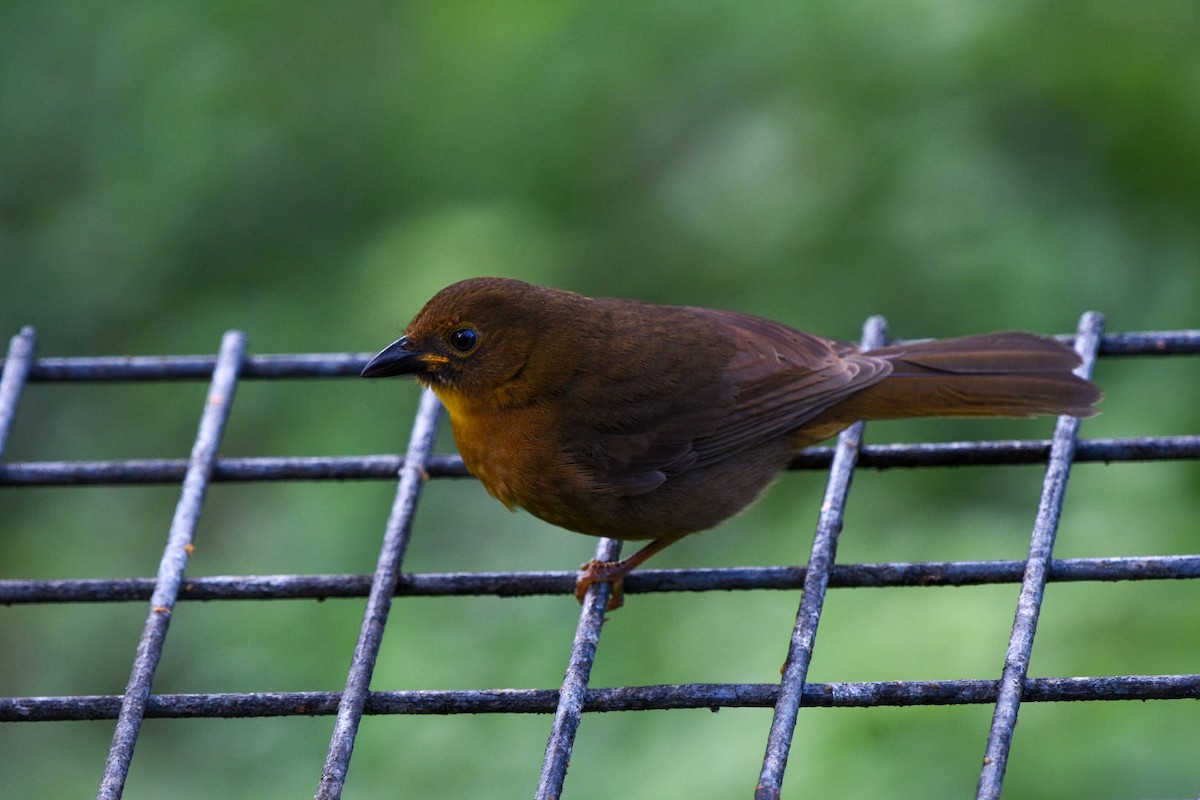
[(992, 375)]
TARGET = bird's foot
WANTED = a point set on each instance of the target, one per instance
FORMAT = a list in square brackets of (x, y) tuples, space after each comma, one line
[(610, 572)]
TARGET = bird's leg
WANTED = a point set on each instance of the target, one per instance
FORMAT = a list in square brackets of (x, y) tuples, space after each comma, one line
[(614, 572)]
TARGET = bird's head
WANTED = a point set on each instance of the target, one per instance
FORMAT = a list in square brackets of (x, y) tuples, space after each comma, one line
[(482, 338)]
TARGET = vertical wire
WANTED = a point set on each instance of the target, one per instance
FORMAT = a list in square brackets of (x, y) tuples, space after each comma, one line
[(1037, 568), (379, 601), (174, 561), (816, 581), (12, 382), (573, 693)]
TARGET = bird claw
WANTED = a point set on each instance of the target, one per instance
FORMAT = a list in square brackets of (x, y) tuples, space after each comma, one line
[(610, 572)]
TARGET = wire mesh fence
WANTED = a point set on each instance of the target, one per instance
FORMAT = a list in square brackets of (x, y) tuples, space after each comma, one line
[(570, 702)]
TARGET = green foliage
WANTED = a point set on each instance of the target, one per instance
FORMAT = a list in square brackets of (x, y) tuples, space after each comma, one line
[(312, 174)]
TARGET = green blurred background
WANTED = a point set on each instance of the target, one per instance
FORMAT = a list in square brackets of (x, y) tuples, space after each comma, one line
[(311, 174)]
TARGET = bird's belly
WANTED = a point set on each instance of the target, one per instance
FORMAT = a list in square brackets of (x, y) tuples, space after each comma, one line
[(695, 500), (691, 501), (517, 455)]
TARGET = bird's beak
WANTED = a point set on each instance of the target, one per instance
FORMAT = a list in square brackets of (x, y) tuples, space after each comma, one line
[(398, 358)]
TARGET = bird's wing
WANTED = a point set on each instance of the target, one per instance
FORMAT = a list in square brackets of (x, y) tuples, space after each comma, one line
[(709, 384), (784, 378)]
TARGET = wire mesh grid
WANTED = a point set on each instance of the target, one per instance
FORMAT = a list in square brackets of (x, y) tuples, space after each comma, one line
[(575, 696)]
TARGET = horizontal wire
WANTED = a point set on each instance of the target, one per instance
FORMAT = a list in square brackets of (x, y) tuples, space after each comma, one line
[(257, 468), (195, 367), (1149, 343), (386, 467), (330, 365), (714, 696), (523, 584)]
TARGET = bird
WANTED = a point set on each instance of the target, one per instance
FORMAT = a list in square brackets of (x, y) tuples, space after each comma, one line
[(639, 421)]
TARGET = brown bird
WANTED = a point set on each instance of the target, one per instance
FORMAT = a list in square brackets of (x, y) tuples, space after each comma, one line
[(633, 420)]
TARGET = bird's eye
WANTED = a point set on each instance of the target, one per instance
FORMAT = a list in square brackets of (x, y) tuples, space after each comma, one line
[(463, 339)]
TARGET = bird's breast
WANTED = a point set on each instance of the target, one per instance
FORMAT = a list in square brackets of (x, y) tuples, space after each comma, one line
[(512, 451)]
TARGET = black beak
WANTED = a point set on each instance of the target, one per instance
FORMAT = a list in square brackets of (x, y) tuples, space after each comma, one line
[(398, 358)]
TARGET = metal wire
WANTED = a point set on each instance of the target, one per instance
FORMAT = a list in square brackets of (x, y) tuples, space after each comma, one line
[(174, 561), (386, 467), (1037, 569), (575, 697), (383, 587), (866, 694), (643, 581), (573, 693), (816, 581), (198, 368), (326, 365), (12, 381)]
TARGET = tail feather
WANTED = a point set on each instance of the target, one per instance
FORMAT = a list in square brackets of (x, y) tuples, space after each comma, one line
[(993, 353), (993, 375)]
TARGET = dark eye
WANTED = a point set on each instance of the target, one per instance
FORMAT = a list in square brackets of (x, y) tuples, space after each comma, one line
[(463, 339)]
